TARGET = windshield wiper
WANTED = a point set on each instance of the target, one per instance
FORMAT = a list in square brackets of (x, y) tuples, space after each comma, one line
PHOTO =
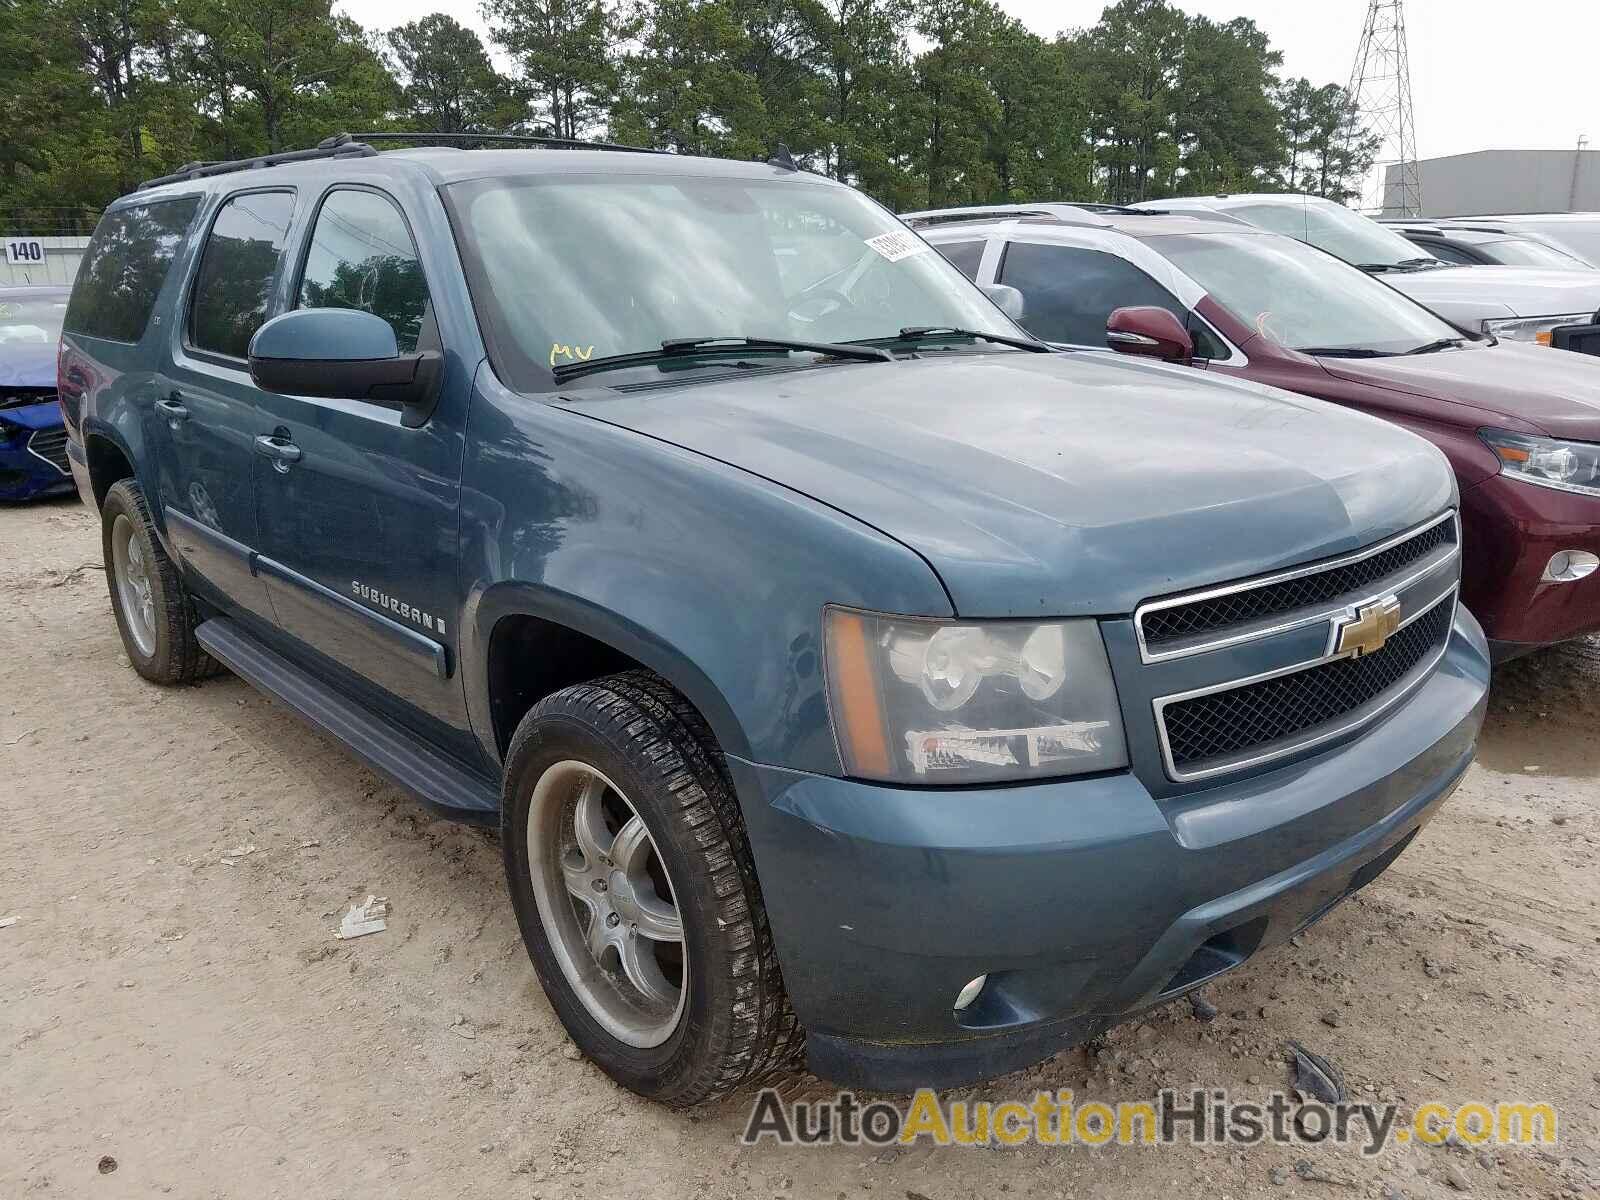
[(1380, 268), (930, 333), (692, 347), (1424, 264), (1441, 344), (1343, 352)]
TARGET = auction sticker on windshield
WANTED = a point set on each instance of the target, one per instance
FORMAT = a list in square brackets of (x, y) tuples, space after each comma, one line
[(898, 244)]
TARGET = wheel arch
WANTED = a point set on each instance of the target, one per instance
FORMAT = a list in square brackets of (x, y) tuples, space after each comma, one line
[(109, 459), (519, 643)]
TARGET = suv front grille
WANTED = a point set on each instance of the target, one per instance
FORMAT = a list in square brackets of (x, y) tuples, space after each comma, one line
[(1165, 626), (51, 445), (1230, 727)]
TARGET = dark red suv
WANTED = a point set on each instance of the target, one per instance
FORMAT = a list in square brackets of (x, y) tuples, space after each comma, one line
[(1519, 423)]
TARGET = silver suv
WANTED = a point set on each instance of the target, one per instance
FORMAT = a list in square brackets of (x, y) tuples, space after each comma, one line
[(1522, 303)]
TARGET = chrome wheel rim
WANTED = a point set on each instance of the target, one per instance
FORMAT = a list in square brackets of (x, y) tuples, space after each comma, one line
[(607, 904), (135, 596)]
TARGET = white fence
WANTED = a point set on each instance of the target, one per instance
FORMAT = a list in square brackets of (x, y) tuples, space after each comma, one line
[(32, 260)]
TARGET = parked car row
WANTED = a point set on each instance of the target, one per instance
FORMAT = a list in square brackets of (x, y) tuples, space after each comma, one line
[(1520, 303), (855, 676), (1574, 236), (1520, 426)]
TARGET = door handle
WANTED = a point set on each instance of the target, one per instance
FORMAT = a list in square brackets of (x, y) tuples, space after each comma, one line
[(172, 408), (283, 453)]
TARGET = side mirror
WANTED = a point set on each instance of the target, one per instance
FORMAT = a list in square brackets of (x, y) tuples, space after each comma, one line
[(344, 354), (1007, 299), (1151, 331)]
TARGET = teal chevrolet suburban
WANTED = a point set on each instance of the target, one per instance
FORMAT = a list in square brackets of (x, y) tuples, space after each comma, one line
[(853, 680)]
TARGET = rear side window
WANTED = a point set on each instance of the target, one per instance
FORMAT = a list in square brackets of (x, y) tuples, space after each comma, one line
[(362, 256), (124, 267), (963, 256), (238, 267)]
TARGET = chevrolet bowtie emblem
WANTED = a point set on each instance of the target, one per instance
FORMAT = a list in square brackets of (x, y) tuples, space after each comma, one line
[(1367, 628)]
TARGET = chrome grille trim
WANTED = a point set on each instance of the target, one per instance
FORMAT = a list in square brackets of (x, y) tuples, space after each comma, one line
[(1300, 618), (50, 446), (1365, 716)]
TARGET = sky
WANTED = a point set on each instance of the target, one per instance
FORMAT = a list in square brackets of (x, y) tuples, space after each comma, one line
[(1484, 74)]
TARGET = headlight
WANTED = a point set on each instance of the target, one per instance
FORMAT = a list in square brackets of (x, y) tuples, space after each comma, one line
[(1548, 462), (922, 701), (1534, 329)]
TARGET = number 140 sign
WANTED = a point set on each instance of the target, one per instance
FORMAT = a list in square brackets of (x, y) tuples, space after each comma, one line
[(27, 251)]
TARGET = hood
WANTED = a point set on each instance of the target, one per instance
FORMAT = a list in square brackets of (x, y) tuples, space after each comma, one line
[(33, 416), (27, 365), (1063, 484), (1471, 295), (1532, 389)]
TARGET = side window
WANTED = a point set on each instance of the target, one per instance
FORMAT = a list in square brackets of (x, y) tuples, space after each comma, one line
[(1071, 291), (963, 256), (362, 256), (124, 267), (238, 267)]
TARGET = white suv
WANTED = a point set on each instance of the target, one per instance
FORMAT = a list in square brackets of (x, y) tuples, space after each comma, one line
[(1522, 303)]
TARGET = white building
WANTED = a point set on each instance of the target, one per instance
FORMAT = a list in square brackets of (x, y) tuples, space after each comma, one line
[(57, 261), (1501, 182)]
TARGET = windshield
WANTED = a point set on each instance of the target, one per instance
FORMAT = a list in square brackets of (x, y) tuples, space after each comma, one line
[(32, 321), (1524, 252), (1336, 229), (1298, 296), (1581, 238), (572, 268)]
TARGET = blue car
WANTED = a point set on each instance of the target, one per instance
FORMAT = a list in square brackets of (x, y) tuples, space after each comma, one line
[(33, 440)]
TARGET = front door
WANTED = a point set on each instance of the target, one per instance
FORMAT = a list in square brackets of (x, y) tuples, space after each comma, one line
[(205, 408), (358, 512)]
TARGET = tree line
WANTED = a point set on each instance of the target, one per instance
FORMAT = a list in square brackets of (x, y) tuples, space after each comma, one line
[(919, 102)]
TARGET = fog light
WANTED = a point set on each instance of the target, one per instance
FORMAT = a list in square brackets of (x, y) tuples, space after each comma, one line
[(970, 993), (1565, 566)]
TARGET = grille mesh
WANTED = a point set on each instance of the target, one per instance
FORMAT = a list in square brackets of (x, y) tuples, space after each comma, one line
[(1167, 625), (51, 445), (1227, 724)]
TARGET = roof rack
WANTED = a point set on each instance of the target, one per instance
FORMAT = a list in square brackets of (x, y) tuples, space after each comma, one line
[(359, 145), (469, 140), (340, 145), (1060, 213)]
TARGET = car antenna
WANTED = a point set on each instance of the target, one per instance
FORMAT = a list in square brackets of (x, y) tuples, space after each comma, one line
[(782, 159)]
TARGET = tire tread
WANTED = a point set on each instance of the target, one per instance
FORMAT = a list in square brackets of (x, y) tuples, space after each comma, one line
[(758, 1037)]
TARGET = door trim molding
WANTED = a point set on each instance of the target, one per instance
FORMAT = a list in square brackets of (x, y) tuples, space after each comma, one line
[(408, 641)]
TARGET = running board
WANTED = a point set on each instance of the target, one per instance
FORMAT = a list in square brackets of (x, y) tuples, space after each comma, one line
[(431, 778)]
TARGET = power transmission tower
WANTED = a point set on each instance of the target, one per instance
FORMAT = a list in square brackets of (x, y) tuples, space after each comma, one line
[(1380, 92)]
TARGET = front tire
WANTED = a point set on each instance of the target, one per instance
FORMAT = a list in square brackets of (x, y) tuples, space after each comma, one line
[(634, 887), (154, 612)]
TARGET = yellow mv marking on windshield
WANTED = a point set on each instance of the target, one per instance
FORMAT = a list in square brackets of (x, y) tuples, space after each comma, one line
[(570, 353)]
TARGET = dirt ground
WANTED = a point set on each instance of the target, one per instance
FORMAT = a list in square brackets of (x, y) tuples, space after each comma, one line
[(188, 1013)]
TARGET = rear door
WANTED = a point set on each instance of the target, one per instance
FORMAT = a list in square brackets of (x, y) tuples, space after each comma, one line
[(207, 408), (359, 530)]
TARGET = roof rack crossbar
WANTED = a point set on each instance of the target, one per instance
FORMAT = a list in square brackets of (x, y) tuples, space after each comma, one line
[(512, 139), (340, 145)]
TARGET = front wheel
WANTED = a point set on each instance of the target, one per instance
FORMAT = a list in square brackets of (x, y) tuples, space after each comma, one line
[(633, 885)]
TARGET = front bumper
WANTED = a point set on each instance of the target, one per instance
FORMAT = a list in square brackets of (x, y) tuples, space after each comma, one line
[(1509, 531), (1084, 901), (24, 475)]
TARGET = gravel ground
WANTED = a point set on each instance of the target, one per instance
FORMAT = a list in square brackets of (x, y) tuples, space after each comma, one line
[(183, 1019)]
